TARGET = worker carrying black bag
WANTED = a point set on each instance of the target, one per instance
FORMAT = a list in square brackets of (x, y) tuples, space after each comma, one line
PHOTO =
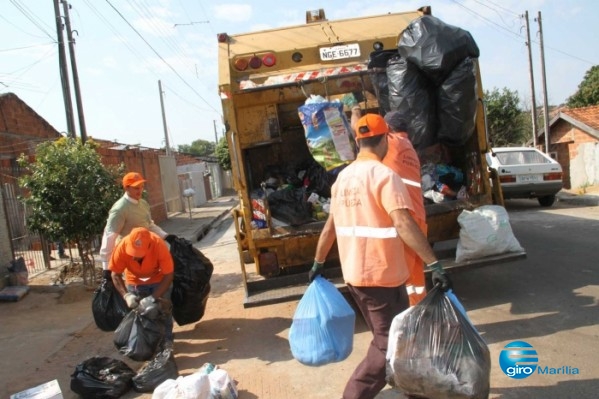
[(191, 283)]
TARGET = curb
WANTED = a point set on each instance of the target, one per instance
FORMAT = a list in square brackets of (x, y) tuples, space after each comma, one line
[(203, 230), (588, 200)]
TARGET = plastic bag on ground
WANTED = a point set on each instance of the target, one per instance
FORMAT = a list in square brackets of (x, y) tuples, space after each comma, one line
[(138, 336), (156, 371), (485, 231), (101, 378), (108, 306), (208, 382), (435, 352), (322, 330)]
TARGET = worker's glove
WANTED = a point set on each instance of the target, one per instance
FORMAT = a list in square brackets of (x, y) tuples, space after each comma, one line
[(132, 300), (149, 307), (439, 277), (107, 274), (315, 271), (170, 238)]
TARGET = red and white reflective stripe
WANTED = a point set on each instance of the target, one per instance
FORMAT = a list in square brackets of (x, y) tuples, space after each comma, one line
[(311, 75)]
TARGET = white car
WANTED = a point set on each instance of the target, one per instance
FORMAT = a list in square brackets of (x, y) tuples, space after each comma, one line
[(525, 172)]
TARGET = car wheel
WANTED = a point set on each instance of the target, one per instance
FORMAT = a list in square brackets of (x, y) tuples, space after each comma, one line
[(547, 200)]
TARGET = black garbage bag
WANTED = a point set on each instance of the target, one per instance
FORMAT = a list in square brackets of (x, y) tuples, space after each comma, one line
[(102, 378), (411, 94), (436, 47), (138, 336), (435, 352), (156, 371), (456, 104), (108, 306), (290, 206), (377, 70), (191, 283), (17, 272)]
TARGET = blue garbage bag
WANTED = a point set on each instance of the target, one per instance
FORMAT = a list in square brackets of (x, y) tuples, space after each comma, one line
[(322, 330)]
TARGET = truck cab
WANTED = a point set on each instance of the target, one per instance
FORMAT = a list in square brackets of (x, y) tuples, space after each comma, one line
[(264, 78)]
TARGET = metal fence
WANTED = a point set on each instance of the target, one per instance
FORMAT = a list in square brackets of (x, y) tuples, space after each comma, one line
[(32, 247)]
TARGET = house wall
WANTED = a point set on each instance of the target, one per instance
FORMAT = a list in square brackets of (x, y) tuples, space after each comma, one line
[(578, 153), (192, 176), (5, 247), (147, 163)]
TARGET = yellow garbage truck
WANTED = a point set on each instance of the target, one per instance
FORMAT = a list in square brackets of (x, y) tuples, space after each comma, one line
[(287, 96)]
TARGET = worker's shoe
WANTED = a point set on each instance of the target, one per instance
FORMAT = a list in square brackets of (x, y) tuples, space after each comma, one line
[(64, 256)]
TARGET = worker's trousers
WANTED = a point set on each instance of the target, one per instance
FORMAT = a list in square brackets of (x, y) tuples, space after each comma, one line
[(378, 305)]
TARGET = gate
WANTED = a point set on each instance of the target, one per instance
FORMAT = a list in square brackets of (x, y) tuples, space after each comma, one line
[(31, 246)]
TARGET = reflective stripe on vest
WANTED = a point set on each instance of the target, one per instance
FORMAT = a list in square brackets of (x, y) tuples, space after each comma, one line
[(366, 231), (411, 182), (414, 289)]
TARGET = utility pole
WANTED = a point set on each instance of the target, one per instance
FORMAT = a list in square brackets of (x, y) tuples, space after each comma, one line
[(545, 100), (67, 20), (215, 132), (168, 146), (533, 110), (64, 74)]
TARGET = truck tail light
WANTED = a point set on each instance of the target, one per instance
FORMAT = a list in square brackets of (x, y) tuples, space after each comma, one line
[(241, 64), (552, 176), (255, 61), (269, 60)]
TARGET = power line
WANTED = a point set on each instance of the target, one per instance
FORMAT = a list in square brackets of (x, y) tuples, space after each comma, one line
[(160, 56)]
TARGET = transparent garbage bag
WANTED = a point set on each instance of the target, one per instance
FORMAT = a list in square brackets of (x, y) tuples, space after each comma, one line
[(435, 352)]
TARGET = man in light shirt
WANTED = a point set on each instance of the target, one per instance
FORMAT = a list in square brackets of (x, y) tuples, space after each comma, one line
[(129, 212)]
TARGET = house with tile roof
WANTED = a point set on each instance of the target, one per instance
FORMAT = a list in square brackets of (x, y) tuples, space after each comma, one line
[(574, 143)]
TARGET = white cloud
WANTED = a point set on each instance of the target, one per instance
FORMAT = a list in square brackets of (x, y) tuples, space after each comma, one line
[(233, 12)]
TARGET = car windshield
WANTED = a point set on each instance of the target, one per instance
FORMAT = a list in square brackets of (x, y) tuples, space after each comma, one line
[(521, 158)]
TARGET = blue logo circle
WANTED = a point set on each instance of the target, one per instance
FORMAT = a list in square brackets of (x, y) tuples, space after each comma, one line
[(518, 359)]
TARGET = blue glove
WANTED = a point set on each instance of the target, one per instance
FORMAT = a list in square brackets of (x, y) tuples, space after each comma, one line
[(439, 277), (315, 271)]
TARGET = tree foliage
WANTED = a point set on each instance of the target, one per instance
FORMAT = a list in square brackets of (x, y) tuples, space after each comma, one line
[(588, 90), (222, 154), (198, 148), (505, 119), (70, 193)]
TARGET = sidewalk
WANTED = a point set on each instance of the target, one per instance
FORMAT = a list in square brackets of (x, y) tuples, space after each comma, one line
[(195, 224), (589, 198)]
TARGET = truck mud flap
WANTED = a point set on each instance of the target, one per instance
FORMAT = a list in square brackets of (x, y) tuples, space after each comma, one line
[(292, 287)]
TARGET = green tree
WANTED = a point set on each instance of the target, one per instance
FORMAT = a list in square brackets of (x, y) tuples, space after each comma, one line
[(588, 90), (222, 153), (505, 119), (198, 148), (70, 193)]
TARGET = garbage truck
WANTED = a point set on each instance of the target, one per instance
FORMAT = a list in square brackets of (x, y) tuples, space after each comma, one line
[(287, 96)]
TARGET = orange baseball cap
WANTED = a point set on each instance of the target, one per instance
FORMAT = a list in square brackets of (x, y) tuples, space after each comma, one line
[(138, 242), (133, 179), (371, 125)]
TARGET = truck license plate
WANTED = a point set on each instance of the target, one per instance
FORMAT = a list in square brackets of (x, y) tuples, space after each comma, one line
[(339, 52)]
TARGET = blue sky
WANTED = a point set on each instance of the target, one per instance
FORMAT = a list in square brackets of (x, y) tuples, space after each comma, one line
[(124, 47)]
